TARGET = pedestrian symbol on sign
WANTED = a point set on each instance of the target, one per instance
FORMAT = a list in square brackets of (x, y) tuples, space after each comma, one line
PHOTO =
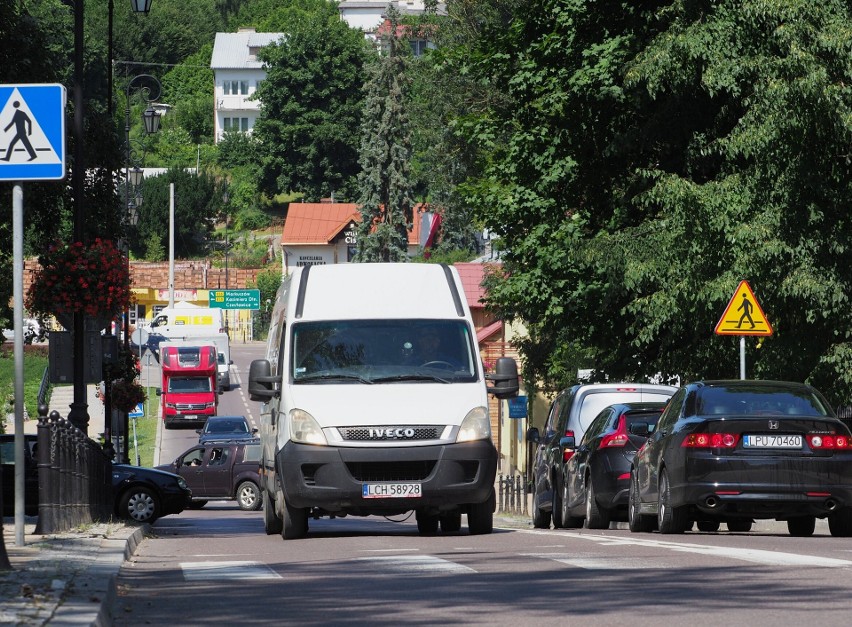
[(32, 132)]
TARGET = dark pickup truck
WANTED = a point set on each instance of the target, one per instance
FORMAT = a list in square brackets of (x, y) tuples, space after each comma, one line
[(221, 470)]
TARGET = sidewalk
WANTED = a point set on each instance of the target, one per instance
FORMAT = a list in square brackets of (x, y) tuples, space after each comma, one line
[(65, 579), (60, 400)]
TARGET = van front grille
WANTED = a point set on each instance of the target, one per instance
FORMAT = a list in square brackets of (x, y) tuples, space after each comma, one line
[(391, 471)]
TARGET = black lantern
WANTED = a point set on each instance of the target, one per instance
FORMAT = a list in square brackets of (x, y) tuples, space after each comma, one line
[(141, 6)]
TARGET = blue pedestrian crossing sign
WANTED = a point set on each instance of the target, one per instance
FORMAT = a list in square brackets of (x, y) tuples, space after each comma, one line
[(138, 411), (32, 132)]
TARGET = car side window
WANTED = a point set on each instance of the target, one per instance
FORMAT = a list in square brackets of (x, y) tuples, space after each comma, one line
[(550, 427), (671, 412), (598, 426), (251, 453), (218, 456), (193, 458), (564, 410)]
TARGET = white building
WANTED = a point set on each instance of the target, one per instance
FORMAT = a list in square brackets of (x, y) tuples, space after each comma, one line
[(236, 73), (368, 15)]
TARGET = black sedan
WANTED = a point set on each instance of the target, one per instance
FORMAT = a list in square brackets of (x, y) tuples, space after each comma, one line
[(597, 475), (735, 451), (146, 494)]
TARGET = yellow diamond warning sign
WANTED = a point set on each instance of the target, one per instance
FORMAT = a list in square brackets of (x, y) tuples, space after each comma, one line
[(743, 315)]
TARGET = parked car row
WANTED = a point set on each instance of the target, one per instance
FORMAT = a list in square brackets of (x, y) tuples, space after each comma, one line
[(140, 494), (710, 452)]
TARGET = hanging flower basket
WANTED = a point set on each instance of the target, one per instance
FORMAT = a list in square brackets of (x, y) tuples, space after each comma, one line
[(91, 278), (126, 395)]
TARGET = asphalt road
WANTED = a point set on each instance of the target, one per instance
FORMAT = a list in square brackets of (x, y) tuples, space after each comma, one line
[(218, 565)]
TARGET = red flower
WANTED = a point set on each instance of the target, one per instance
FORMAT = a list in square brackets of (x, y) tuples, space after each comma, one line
[(75, 277)]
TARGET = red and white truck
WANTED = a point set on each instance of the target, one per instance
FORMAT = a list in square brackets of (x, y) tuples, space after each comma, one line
[(189, 387)]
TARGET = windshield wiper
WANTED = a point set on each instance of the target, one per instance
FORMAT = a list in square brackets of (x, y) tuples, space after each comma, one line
[(328, 376), (410, 377)]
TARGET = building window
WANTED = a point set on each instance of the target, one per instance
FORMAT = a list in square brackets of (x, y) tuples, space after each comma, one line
[(235, 88), (235, 124), (419, 47)]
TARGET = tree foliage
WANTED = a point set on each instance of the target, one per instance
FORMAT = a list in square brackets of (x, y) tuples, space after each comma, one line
[(198, 200), (310, 109), (384, 182), (649, 158)]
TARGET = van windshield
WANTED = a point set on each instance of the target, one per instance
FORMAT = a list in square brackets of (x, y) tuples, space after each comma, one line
[(189, 385), (383, 351)]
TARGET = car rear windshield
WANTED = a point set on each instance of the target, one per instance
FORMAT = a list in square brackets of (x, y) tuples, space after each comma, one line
[(595, 402), (649, 417), (757, 401)]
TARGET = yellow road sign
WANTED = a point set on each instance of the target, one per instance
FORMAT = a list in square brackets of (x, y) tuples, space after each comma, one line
[(743, 315)]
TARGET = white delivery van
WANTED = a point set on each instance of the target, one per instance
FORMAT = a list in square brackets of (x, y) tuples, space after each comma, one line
[(375, 401), (174, 322)]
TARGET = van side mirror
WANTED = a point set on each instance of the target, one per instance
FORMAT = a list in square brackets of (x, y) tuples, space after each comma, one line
[(505, 378), (261, 381), (159, 391)]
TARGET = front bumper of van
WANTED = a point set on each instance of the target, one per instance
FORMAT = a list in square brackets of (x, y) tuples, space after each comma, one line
[(333, 479)]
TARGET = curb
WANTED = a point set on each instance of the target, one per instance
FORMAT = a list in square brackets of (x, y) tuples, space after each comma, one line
[(104, 617)]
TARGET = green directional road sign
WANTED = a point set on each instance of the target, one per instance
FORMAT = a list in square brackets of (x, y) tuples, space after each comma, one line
[(235, 299)]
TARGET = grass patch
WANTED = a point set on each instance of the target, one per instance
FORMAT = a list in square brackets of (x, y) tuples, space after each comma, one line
[(35, 361)]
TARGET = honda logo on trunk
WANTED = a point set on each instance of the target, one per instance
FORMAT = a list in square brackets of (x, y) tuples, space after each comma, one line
[(773, 424)]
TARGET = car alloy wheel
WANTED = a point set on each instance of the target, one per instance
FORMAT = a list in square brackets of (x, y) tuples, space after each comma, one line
[(671, 519), (596, 516)]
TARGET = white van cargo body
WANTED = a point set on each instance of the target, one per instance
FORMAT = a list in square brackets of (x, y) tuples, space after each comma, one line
[(182, 321), (375, 400)]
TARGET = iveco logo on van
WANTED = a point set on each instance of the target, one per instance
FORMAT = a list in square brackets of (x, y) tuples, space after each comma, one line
[(391, 433)]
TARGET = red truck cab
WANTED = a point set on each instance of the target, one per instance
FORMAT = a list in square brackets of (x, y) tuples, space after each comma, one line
[(189, 388)]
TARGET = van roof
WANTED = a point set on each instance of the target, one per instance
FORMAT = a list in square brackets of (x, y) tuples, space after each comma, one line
[(377, 290)]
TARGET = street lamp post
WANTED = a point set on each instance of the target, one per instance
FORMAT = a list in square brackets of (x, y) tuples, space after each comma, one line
[(149, 89)]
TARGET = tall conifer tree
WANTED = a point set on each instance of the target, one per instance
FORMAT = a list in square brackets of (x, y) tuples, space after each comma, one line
[(384, 182)]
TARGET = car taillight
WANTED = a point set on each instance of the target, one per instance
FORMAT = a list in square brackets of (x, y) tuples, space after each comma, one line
[(617, 437), (567, 453), (822, 441), (711, 440)]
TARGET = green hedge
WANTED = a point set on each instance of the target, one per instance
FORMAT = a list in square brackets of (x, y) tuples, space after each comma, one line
[(35, 362)]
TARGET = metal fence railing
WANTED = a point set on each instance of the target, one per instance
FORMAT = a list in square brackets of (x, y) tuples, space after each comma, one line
[(74, 476), (512, 494)]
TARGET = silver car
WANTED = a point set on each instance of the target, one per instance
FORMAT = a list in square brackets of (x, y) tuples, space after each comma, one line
[(571, 413)]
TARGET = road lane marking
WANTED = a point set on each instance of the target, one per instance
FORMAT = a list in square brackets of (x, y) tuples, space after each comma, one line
[(596, 563), (416, 564), (756, 556), (206, 571)]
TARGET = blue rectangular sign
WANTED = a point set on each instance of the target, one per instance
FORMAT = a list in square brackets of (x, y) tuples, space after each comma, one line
[(518, 407), (32, 132)]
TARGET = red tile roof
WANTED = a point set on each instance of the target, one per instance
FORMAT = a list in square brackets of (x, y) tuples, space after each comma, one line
[(471, 275), (319, 222)]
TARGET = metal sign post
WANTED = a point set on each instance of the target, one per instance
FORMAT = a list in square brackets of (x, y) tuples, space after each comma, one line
[(32, 148)]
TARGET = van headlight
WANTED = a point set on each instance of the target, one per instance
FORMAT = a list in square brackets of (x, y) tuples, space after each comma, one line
[(304, 429), (475, 426)]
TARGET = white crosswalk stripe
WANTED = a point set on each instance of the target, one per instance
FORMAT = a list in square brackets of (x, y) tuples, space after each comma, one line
[(415, 564), (206, 571)]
